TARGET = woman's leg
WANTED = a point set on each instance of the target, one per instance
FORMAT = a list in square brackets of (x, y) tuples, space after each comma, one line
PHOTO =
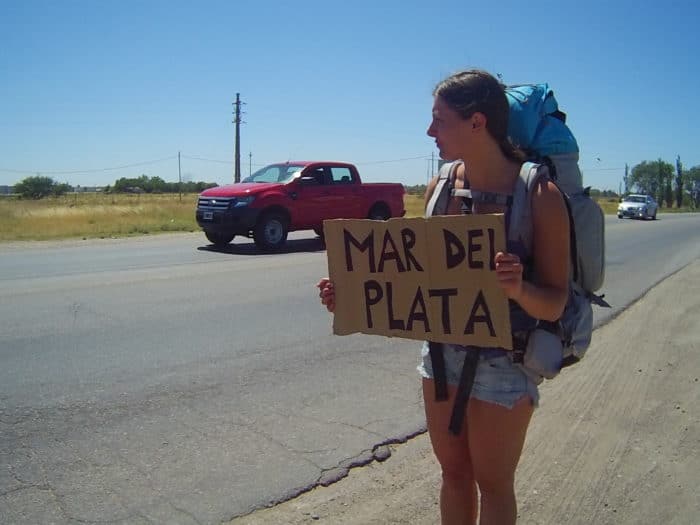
[(496, 438), (458, 497)]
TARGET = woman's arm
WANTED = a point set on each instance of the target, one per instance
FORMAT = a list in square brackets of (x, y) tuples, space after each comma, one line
[(546, 297)]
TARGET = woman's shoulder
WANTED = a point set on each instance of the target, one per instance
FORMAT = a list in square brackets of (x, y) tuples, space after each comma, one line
[(546, 191), (547, 202)]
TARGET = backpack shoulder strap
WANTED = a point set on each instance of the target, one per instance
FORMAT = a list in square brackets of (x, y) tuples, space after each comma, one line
[(520, 223), (521, 213), (437, 205)]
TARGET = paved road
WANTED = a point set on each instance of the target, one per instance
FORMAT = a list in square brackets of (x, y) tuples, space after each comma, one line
[(155, 380)]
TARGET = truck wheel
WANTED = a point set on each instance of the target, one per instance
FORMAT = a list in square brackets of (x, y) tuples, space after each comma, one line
[(219, 239), (270, 232), (379, 212)]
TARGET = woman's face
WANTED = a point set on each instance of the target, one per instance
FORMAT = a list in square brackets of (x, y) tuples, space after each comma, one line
[(449, 130)]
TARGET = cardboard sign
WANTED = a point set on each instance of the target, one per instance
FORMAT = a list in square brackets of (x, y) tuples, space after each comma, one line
[(430, 279)]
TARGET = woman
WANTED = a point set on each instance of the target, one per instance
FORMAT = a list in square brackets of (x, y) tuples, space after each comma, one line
[(470, 123)]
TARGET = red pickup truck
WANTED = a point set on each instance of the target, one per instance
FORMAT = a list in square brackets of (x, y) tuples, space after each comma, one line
[(290, 196)]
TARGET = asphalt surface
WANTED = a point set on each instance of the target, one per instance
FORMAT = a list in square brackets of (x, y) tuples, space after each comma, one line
[(155, 380)]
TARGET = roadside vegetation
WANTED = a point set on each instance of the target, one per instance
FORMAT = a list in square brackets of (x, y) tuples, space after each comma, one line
[(95, 215), (104, 215), (42, 209)]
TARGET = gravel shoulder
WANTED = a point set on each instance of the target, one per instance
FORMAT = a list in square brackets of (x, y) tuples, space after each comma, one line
[(616, 439)]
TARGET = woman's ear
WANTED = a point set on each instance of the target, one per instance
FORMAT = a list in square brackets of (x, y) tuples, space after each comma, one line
[(478, 120)]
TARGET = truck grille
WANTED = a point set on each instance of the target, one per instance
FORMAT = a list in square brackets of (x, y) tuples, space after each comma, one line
[(214, 203)]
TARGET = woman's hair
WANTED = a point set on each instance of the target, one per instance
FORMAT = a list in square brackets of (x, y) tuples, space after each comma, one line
[(467, 92)]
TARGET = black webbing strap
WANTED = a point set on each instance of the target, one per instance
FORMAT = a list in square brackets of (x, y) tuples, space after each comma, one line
[(437, 360), (464, 390), (519, 346)]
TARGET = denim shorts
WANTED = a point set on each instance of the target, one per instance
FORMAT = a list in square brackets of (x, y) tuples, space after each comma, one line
[(498, 380)]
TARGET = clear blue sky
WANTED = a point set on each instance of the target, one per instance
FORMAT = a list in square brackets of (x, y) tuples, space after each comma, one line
[(89, 86)]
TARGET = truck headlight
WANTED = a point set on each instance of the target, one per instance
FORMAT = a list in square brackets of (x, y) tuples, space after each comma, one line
[(240, 202)]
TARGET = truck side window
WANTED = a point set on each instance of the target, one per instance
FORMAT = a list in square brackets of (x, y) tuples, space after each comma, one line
[(319, 175), (341, 175)]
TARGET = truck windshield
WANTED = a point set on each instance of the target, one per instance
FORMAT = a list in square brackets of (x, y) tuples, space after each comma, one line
[(275, 173)]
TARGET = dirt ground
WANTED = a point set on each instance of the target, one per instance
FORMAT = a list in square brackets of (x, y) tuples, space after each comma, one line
[(615, 441)]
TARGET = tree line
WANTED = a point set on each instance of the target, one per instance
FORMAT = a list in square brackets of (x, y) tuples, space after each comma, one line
[(666, 183), (145, 184), (38, 187)]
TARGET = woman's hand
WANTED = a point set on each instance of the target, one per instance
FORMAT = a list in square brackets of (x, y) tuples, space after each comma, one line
[(327, 293), (509, 271)]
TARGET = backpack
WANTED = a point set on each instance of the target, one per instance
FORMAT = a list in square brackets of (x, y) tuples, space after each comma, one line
[(538, 127)]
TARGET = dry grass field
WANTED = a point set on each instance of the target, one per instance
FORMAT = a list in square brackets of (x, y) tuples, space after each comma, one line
[(99, 215), (94, 215)]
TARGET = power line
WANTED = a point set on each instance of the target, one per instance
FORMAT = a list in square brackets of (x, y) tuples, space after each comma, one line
[(74, 172), (601, 169), (190, 157), (207, 160), (423, 157), (204, 159)]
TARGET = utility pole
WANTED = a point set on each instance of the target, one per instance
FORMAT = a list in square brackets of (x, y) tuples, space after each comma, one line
[(237, 149), (179, 176), (250, 163)]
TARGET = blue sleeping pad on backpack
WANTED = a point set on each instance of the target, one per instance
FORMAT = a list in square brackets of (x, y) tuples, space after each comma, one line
[(536, 124)]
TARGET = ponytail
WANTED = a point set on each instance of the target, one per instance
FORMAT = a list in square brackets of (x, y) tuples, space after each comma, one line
[(511, 151)]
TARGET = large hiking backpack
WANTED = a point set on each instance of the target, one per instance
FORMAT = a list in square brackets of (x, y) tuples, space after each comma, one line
[(538, 127), (586, 226)]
